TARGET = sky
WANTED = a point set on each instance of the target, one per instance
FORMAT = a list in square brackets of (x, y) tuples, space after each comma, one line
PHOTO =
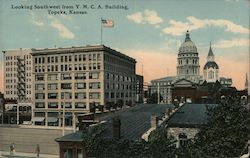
[(151, 31)]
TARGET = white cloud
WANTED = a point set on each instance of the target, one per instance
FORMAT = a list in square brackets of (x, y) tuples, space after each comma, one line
[(136, 17), (148, 16), (64, 32), (35, 20), (177, 28), (232, 43)]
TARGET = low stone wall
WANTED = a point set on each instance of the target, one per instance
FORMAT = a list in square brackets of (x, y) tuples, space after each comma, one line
[(26, 139)]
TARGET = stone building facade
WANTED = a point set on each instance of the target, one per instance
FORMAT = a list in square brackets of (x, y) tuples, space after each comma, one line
[(69, 81)]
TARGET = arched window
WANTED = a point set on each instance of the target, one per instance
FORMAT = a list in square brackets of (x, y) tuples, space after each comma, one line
[(182, 140), (210, 74)]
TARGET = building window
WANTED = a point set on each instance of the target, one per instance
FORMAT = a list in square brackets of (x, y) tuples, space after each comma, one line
[(39, 87), (66, 86), (94, 85), (52, 105), (66, 105), (66, 95), (80, 85), (80, 58), (80, 95), (183, 140), (80, 76), (66, 77), (80, 105), (40, 105), (39, 96), (52, 77), (94, 95), (52, 86), (52, 96), (75, 57), (39, 77), (94, 75)]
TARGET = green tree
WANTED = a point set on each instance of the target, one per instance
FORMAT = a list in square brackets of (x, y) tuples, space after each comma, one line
[(160, 144), (226, 132), (153, 98)]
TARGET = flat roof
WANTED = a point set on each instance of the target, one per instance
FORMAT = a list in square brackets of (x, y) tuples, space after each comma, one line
[(74, 49)]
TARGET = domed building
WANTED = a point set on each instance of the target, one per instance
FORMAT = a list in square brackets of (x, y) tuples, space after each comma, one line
[(211, 69), (188, 61)]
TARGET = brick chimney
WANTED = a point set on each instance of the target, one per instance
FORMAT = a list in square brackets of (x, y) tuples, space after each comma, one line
[(154, 121), (116, 125)]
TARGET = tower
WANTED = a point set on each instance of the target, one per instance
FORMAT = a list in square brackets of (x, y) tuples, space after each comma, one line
[(188, 61), (246, 82), (211, 69)]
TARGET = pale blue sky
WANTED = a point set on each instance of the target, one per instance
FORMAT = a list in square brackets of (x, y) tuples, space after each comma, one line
[(155, 26)]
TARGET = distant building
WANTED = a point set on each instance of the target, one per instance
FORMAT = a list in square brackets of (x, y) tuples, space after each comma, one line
[(227, 82), (139, 91), (188, 61), (69, 81), (18, 74), (1, 106), (184, 124), (246, 83), (211, 69), (162, 87)]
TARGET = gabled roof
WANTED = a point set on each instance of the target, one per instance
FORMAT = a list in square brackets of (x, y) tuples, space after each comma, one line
[(72, 137), (190, 116), (183, 83), (168, 78)]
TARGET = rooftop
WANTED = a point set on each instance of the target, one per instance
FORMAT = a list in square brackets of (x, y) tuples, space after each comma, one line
[(74, 49), (190, 115)]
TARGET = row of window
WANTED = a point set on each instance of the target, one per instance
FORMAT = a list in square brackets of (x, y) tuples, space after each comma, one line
[(111, 95), (54, 86), (15, 75), (68, 58), (16, 93), (63, 104), (187, 71), (15, 86), (16, 57), (69, 67), (118, 86), (110, 76), (68, 76), (194, 61), (68, 95), (7, 69), (118, 68), (15, 80), (118, 61), (15, 63)]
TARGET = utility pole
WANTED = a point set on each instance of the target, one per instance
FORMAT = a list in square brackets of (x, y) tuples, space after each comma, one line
[(158, 89)]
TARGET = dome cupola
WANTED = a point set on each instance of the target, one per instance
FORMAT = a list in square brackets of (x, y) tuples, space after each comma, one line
[(187, 46)]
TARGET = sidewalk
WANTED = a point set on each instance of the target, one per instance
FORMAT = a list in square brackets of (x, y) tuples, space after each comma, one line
[(6, 154)]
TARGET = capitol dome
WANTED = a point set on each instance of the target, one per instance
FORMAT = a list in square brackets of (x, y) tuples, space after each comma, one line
[(188, 46)]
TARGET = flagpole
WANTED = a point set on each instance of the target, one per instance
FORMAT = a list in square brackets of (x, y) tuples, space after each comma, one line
[(101, 31)]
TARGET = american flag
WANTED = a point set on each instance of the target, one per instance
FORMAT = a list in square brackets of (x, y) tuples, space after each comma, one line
[(107, 23)]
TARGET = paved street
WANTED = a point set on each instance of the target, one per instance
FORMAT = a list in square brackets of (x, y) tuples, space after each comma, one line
[(5, 154)]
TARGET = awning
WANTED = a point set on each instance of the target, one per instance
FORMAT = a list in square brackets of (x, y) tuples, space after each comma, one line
[(38, 119), (52, 119)]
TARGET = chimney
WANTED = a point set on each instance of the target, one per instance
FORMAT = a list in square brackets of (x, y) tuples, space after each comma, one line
[(154, 121), (116, 125)]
